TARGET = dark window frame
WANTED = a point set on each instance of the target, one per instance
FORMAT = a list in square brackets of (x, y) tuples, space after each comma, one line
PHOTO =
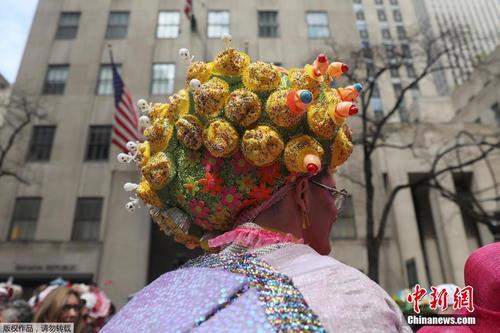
[(114, 30), (269, 29), (55, 87), (382, 17), (38, 150), (98, 150), (80, 221), (27, 220), (66, 31)]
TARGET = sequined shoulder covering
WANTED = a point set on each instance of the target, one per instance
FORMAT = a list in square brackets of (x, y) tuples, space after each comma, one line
[(285, 307)]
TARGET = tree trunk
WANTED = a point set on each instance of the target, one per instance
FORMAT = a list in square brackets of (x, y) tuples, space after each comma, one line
[(371, 242)]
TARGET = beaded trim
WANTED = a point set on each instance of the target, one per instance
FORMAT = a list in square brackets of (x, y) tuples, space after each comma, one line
[(285, 307)]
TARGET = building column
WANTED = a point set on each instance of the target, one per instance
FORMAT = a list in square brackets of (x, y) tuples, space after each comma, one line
[(124, 260), (407, 228), (454, 232)]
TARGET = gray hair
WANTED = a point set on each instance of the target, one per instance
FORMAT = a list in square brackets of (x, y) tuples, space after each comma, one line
[(18, 311)]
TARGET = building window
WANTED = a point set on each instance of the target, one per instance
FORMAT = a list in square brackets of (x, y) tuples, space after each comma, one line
[(68, 25), (397, 15), (389, 50), (98, 141), (411, 273), (406, 51), (168, 24), (24, 219), (117, 25), (394, 72), (379, 2), (386, 34), (345, 227), (218, 23), (87, 219), (363, 34), (55, 80), (360, 15), (377, 107), (162, 82), (495, 108), (268, 24), (398, 89), (105, 79), (357, 1), (410, 71), (393, 2), (381, 15), (401, 32), (317, 25), (41, 141)]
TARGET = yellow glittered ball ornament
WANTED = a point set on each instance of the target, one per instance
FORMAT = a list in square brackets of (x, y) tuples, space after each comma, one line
[(211, 97), (279, 112), (260, 76), (159, 134), (159, 170), (230, 62), (243, 107), (296, 151), (148, 195), (200, 71), (341, 149), (190, 131), (220, 138), (300, 79), (261, 146), (318, 118), (179, 106)]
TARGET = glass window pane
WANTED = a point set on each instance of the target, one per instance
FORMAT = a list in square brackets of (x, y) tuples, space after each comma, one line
[(317, 24), (55, 80), (268, 23), (163, 79), (41, 143), (168, 24), (68, 25), (98, 142), (24, 218), (218, 23), (87, 219), (117, 25)]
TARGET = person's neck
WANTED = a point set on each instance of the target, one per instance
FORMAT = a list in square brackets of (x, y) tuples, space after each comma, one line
[(280, 220)]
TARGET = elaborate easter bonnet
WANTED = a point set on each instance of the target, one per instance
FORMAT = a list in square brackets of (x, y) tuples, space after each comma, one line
[(237, 133)]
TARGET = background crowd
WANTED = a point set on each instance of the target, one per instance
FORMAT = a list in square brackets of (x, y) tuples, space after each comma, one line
[(86, 306)]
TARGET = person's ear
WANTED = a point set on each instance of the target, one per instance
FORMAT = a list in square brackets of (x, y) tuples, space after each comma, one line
[(301, 199)]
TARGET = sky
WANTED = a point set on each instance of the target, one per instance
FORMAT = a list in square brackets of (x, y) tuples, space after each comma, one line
[(15, 24)]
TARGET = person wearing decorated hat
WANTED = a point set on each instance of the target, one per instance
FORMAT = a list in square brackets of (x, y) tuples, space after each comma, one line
[(240, 163)]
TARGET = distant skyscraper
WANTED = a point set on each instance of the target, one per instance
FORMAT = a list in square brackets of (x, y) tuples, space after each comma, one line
[(481, 20)]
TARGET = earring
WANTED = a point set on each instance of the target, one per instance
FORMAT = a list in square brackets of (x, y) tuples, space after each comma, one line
[(305, 220)]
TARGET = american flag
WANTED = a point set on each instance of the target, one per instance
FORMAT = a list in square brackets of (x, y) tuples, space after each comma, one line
[(188, 8), (126, 119)]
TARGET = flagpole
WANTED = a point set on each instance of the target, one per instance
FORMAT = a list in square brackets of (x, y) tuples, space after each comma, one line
[(110, 49)]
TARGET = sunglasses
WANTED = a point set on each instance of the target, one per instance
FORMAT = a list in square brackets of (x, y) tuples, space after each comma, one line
[(76, 307), (339, 196)]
